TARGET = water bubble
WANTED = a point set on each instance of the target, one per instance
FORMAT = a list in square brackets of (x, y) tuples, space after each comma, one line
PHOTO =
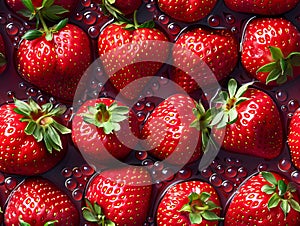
[(87, 170), (78, 16), (230, 19), (231, 172), (262, 167), (220, 169), (215, 180), (284, 165), (242, 172), (77, 194), (296, 177), (213, 21), (141, 116), (71, 184), (66, 172), (77, 172), (281, 95), (206, 173), (293, 105), (141, 155), (227, 186), (150, 106), (139, 106), (93, 32), (174, 29), (163, 19), (89, 18), (10, 183), (86, 3), (185, 173), (12, 29)]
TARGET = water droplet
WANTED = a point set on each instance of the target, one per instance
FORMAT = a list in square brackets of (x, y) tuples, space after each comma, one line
[(229, 161), (70, 184), (22, 86), (213, 21), (227, 186), (89, 18), (139, 106), (234, 30), (284, 165), (78, 16), (283, 108), (141, 155), (141, 116), (230, 19), (147, 162), (150, 7), (163, 19), (293, 105), (215, 180), (219, 169), (231, 172), (77, 194), (174, 29), (206, 173), (77, 172), (12, 29), (281, 95), (242, 172), (66, 172), (163, 81), (185, 173), (93, 32), (87, 170), (168, 174), (262, 167), (155, 86), (10, 183), (11, 94), (158, 165), (86, 3), (31, 92), (150, 106), (296, 177)]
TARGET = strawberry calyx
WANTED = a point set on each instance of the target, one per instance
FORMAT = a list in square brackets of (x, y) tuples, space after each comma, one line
[(281, 67), (23, 223), (106, 117), (131, 26), (2, 60), (93, 213), (281, 193), (41, 123), (200, 207), (108, 8), (47, 10), (225, 111), (202, 122)]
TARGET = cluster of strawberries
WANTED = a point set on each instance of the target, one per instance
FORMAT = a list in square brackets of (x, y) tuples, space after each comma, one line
[(241, 119)]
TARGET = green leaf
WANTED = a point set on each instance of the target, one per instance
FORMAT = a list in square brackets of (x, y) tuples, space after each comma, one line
[(294, 59), (47, 3), (38, 134), (22, 222), (243, 89), (217, 118), (233, 115), (147, 24), (54, 137), (30, 128), (294, 204), (291, 187), (29, 5), (195, 218), (240, 100), (111, 2), (211, 216), (267, 68), (186, 208), (276, 53), (283, 65), (212, 205), (26, 13), (32, 34), (47, 107), (232, 87), (97, 209), (51, 223), (61, 128), (273, 75), (22, 107), (269, 177), (282, 187), (108, 127), (204, 196), (193, 196), (87, 215), (268, 189), (274, 201), (285, 206), (34, 106)]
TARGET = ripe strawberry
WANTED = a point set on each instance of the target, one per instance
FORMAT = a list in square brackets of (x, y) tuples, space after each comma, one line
[(187, 11), (123, 47), (98, 126), (264, 7), (55, 59), (189, 203), (217, 48), (30, 141), (37, 202), (52, 10), (119, 7), (252, 120), (119, 197), (294, 138), (171, 132), (2, 55), (270, 50), (265, 199)]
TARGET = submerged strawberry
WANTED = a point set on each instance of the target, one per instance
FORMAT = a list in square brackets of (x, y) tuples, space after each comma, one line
[(252, 121), (265, 199), (30, 137), (294, 138), (119, 197), (38, 202), (271, 50)]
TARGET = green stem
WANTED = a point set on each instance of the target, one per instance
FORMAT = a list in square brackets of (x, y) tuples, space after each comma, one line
[(46, 29), (136, 25), (201, 208)]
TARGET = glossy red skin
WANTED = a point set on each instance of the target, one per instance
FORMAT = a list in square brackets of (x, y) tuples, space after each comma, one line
[(249, 206), (187, 11), (167, 131), (17, 5), (262, 33), (124, 194), (20, 153), (56, 66), (176, 197), (125, 6), (97, 145), (264, 7), (217, 48), (2, 50), (294, 138), (38, 201), (115, 37), (258, 130)]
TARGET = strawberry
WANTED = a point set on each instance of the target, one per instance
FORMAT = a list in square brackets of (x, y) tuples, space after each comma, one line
[(294, 138), (270, 50), (119, 197), (37, 202), (30, 140), (172, 133), (217, 48), (252, 122), (98, 125), (264, 7), (55, 59), (189, 203), (266, 198), (3, 61), (132, 43), (119, 7), (50, 9), (187, 11)]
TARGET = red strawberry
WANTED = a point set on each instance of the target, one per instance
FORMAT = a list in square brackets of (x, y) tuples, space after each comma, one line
[(171, 132), (264, 7), (187, 11), (294, 138), (30, 141), (265, 199), (54, 60), (189, 203), (99, 124), (121, 196), (217, 48), (2, 55), (252, 122), (270, 50), (131, 43), (52, 10), (119, 7), (38, 202)]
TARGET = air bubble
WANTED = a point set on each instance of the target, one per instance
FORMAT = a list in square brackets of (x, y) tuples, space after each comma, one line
[(163, 19), (283, 108), (284, 165), (262, 167), (12, 29), (155, 86), (206, 173), (230, 19), (141, 155), (173, 29), (77, 194), (150, 106), (71, 184), (234, 30), (215, 180), (150, 7), (93, 32), (10, 94), (231, 172), (2, 20), (242, 172), (296, 177), (281, 95), (87, 170), (78, 16), (214, 21), (32, 92), (77, 172), (220, 169), (89, 18), (139, 106), (86, 3), (10, 183), (66, 172), (227, 186), (158, 165), (147, 162), (141, 116), (163, 81), (185, 173), (168, 174), (293, 105)]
